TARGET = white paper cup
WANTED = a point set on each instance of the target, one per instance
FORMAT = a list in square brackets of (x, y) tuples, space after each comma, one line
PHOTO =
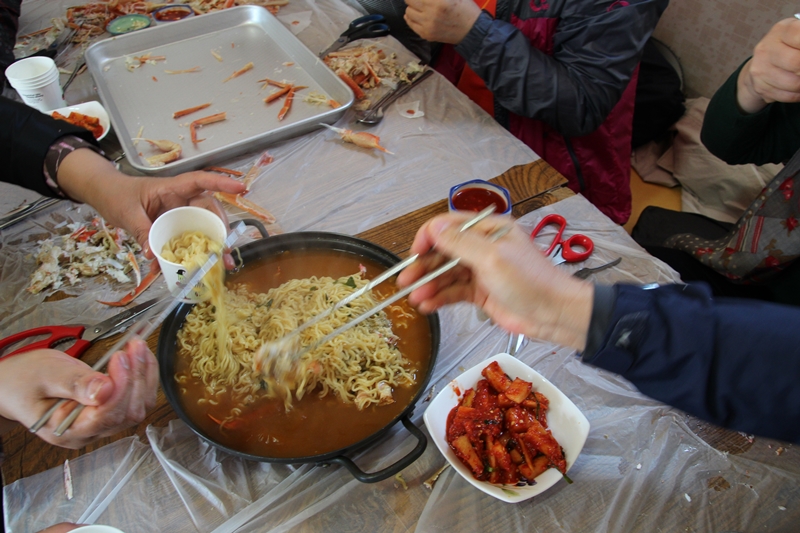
[(36, 81), (174, 223)]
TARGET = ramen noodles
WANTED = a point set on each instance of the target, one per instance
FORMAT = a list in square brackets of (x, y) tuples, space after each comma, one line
[(361, 366), (192, 249)]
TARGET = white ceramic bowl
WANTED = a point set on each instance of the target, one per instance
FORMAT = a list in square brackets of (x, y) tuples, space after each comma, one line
[(565, 421), (92, 109)]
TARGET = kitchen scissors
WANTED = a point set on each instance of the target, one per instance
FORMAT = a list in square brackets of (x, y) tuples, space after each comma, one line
[(84, 336), (366, 27), (561, 250)]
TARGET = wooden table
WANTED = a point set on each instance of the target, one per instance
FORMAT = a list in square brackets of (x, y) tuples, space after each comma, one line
[(531, 186)]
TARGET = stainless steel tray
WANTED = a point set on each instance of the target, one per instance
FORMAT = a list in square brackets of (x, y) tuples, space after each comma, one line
[(144, 99)]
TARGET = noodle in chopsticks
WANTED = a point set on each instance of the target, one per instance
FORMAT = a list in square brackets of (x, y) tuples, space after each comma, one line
[(360, 366)]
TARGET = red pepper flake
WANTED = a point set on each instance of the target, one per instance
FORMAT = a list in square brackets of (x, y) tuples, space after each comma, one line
[(155, 79), (295, 22), (410, 111)]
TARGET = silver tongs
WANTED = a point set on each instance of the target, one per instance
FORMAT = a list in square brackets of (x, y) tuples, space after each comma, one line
[(286, 349), (142, 329)]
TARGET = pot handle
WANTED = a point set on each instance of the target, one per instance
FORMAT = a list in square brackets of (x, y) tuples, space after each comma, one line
[(255, 223), (388, 472)]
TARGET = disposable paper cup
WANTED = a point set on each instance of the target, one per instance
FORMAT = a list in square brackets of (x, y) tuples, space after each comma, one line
[(36, 81), (97, 529), (174, 223), (481, 195)]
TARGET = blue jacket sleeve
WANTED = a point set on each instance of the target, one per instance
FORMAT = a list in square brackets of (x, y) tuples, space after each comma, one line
[(732, 362), (25, 136), (595, 51)]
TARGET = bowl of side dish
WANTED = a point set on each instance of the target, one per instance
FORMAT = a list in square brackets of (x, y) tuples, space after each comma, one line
[(563, 420), (92, 112)]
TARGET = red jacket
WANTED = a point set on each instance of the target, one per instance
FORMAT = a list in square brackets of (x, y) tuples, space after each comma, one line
[(562, 76)]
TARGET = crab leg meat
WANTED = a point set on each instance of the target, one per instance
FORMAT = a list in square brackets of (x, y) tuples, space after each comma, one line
[(190, 110), (211, 119), (277, 94), (352, 84), (184, 71), (239, 72), (287, 104)]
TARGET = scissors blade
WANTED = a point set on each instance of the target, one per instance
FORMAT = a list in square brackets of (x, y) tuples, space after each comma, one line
[(555, 256), (338, 43), (118, 321)]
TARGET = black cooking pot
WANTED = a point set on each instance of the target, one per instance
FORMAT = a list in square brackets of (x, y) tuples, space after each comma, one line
[(268, 247)]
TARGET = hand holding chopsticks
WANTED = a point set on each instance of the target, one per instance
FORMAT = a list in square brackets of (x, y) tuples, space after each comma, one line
[(512, 281)]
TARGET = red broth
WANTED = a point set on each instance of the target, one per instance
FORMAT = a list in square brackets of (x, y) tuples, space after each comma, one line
[(477, 199), (315, 425)]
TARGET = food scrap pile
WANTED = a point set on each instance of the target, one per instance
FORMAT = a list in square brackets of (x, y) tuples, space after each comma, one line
[(88, 250), (499, 431), (84, 121), (367, 67)]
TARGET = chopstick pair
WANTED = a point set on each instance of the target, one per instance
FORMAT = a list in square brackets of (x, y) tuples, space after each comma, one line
[(141, 329), (279, 347)]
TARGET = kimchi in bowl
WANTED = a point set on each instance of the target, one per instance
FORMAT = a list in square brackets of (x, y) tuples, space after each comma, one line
[(565, 421)]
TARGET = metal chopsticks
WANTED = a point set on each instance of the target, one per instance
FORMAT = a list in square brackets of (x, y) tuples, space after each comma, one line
[(141, 329), (26, 211), (275, 348)]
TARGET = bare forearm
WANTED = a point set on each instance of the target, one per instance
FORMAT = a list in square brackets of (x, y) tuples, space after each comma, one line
[(86, 176)]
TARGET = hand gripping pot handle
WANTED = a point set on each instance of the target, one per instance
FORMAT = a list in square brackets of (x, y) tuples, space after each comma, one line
[(380, 475)]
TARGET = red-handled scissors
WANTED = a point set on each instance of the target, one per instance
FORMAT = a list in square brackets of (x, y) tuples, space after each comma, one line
[(561, 250), (84, 336)]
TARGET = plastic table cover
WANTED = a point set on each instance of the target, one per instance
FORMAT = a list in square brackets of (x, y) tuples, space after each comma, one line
[(642, 468)]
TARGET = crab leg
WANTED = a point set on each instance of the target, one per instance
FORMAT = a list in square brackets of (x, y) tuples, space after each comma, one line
[(360, 138), (224, 170), (155, 271), (136, 269), (275, 83), (189, 110), (277, 94), (211, 119), (184, 71), (239, 72), (244, 204), (250, 177), (172, 151), (352, 84), (287, 104)]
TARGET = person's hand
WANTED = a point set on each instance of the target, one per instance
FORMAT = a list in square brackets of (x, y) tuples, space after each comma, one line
[(133, 203), (510, 279), (32, 381), (773, 73), (441, 21)]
